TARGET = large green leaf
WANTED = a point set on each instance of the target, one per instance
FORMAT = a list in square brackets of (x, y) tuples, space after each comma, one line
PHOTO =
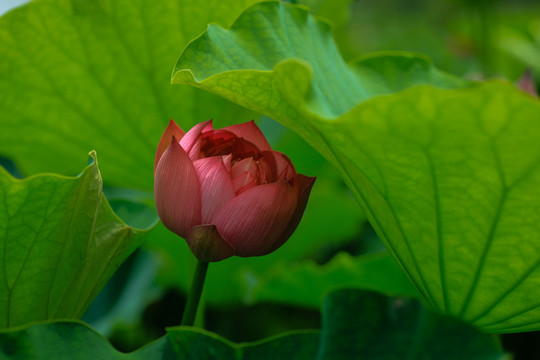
[(274, 47), (455, 200), (77, 75), (59, 244), (447, 177), (356, 325)]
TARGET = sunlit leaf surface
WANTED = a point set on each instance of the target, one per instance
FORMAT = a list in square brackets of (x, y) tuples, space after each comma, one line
[(446, 171), (77, 75)]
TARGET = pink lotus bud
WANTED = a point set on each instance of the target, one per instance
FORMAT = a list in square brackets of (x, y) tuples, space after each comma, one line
[(526, 83), (226, 191)]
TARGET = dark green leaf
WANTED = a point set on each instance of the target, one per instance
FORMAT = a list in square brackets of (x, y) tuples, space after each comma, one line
[(72, 340), (192, 343), (75, 340), (366, 325)]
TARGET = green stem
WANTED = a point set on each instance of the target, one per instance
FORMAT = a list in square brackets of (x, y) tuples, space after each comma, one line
[(485, 40), (190, 311), (486, 19)]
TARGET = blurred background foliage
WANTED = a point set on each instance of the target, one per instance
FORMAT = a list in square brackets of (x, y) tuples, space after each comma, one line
[(334, 246)]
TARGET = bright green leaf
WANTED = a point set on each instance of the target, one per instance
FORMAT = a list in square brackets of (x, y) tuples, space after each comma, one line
[(59, 244), (275, 56), (448, 178), (77, 75)]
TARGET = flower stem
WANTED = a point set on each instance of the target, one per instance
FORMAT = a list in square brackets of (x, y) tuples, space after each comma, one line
[(190, 311), (486, 38)]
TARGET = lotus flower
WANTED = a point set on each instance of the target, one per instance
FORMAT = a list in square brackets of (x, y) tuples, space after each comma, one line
[(526, 83), (226, 191)]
